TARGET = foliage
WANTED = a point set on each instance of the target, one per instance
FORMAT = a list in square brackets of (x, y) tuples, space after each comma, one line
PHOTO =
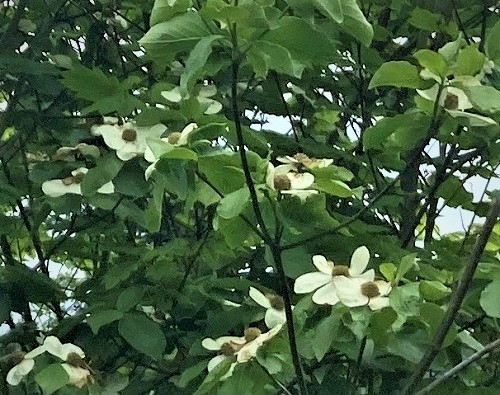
[(144, 194)]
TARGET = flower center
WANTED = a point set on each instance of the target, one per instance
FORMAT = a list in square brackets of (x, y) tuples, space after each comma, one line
[(451, 101), (370, 289), (129, 135), (75, 360), (16, 357), (282, 182), (277, 302), (252, 334), (174, 137), (229, 348), (340, 270)]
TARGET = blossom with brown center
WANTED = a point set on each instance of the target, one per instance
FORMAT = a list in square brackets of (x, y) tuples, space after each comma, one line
[(244, 348), (354, 292), (286, 181), (301, 160), (274, 305), (323, 280), (451, 102), (72, 185)]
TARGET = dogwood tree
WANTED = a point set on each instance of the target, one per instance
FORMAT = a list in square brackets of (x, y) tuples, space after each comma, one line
[(242, 197)]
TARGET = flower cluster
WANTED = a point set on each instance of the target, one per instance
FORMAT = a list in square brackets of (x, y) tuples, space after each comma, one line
[(79, 373), (244, 348), (352, 286), (292, 177)]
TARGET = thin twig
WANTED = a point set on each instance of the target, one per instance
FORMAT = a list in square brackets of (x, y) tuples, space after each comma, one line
[(456, 299), (461, 366)]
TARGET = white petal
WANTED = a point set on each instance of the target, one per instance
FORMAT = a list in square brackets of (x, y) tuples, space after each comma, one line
[(173, 95), (112, 136), (215, 361), (302, 194), (248, 351), (349, 291), (270, 176), (322, 264), (384, 287), (259, 297), (474, 119), (300, 180), (78, 377), (283, 169), (56, 188), (80, 170), (35, 352), (130, 150), (274, 318), (17, 373), (149, 170), (359, 261), (326, 295), (310, 281), (215, 345), (54, 346), (148, 155), (369, 275), (287, 159), (183, 139), (429, 94), (69, 348), (107, 188), (320, 163), (378, 302)]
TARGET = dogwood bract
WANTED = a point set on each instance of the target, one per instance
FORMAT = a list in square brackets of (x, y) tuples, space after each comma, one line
[(72, 185), (322, 280), (274, 305), (286, 181), (354, 292)]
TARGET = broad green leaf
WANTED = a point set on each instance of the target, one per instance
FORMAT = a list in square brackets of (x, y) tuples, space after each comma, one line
[(195, 62), (179, 34), (469, 61), (129, 298), (214, 376), (153, 212), (234, 203), (265, 56), (307, 46), (91, 84), (179, 153), (489, 299), (51, 378), (333, 187), (106, 170), (454, 193), (164, 10), (99, 318), (143, 334), (397, 73), (491, 46), (331, 8), (190, 373), (484, 98), (325, 334), (425, 19), (355, 22), (407, 262), (432, 61), (433, 290), (388, 270)]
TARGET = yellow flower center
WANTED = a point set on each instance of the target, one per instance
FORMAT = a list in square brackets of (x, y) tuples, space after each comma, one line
[(282, 182), (129, 135), (451, 101), (174, 137), (340, 270), (277, 302), (252, 334), (370, 289)]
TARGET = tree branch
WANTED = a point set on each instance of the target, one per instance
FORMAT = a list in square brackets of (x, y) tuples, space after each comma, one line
[(456, 299)]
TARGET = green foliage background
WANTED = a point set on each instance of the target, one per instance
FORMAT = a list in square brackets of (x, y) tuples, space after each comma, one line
[(199, 233)]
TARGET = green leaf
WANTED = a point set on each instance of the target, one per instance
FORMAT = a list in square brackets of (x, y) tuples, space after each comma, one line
[(265, 56), (407, 262), (388, 270), (333, 187), (179, 34), (469, 61), (491, 46), (99, 318), (106, 170), (163, 10), (129, 298), (397, 73), (425, 20), (52, 378), (433, 290), (331, 9), (143, 334), (307, 46), (214, 376), (325, 334), (195, 62), (91, 84), (234, 203), (432, 61), (152, 214), (179, 153), (489, 299), (355, 22), (484, 98)]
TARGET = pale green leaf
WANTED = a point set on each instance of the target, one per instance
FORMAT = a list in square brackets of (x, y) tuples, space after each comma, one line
[(143, 334), (489, 299), (51, 378), (397, 73)]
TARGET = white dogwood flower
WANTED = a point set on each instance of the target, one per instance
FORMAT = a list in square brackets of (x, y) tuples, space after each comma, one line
[(286, 181), (244, 348), (72, 185), (68, 153), (300, 160), (322, 280), (24, 364), (274, 305), (354, 292), (128, 139)]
